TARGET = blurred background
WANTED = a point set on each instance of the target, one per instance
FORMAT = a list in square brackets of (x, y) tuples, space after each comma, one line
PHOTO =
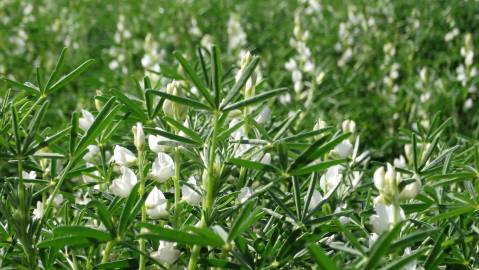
[(388, 65)]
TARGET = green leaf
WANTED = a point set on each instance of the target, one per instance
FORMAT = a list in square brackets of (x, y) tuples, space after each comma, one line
[(254, 165), (194, 78), (189, 132), (26, 88), (248, 70), (119, 264), (82, 231), (156, 232), (16, 130), (182, 100), (399, 264), (216, 73), (381, 247), (246, 218), (56, 69), (70, 76), (128, 212), (322, 260), (317, 167), (208, 234), (412, 238), (255, 99), (60, 242), (173, 137), (34, 125), (102, 120), (104, 215), (456, 211), (73, 133), (133, 106)]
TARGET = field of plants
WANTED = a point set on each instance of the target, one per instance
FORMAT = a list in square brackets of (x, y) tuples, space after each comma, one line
[(307, 134)]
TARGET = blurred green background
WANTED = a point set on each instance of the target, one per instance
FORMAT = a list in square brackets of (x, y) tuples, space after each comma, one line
[(388, 65)]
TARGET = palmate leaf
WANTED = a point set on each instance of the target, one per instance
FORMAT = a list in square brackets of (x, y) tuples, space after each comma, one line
[(70, 76), (255, 99), (27, 88), (182, 100), (132, 105), (174, 137), (189, 132)]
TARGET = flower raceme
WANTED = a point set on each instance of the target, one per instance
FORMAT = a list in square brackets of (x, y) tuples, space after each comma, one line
[(123, 185)]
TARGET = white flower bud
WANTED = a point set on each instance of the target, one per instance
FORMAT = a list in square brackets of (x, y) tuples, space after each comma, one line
[(92, 153), (411, 190), (138, 135), (316, 198), (163, 167), (86, 120), (123, 156), (29, 175), (264, 116), (153, 143), (379, 178), (38, 211), (156, 204), (344, 149), (123, 185), (331, 178), (348, 126)]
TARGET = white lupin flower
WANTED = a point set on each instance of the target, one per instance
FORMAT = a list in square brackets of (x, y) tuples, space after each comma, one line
[(386, 216), (331, 178), (348, 126), (156, 204), (153, 143), (320, 124), (411, 190), (38, 211), (245, 194), (92, 153), (138, 135), (58, 200), (29, 175), (400, 162), (378, 178), (316, 198), (86, 120), (264, 116), (190, 195), (221, 232), (343, 149), (123, 185), (123, 156), (163, 167), (266, 159), (167, 253)]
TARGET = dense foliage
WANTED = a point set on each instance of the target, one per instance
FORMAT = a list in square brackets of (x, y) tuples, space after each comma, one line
[(238, 135)]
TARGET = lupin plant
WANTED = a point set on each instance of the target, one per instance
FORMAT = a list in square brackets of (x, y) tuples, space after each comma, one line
[(201, 171)]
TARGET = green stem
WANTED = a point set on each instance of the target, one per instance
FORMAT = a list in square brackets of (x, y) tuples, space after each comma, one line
[(142, 262), (106, 253), (208, 186), (176, 181)]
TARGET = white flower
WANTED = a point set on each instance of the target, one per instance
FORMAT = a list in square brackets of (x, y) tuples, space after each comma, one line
[(413, 264), (163, 167), (343, 149), (57, 200), (156, 204), (348, 126), (92, 153), (123, 156), (245, 194), (411, 190), (189, 194), (266, 159), (38, 211), (29, 175), (153, 141), (400, 162), (316, 198), (221, 232), (122, 186), (331, 178), (320, 124), (86, 120), (386, 216), (138, 135), (378, 178), (167, 253), (264, 116)]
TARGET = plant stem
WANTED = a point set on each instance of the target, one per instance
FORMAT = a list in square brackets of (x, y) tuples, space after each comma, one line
[(142, 262), (106, 253), (176, 181), (209, 187)]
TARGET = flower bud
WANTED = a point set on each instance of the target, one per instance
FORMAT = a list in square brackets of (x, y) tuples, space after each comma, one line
[(153, 143), (163, 167), (316, 198), (245, 194), (156, 204), (38, 211), (92, 153), (172, 109), (123, 156), (123, 185), (348, 126), (379, 178), (411, 190), (138, 136), (86, 120), (98, 102)]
